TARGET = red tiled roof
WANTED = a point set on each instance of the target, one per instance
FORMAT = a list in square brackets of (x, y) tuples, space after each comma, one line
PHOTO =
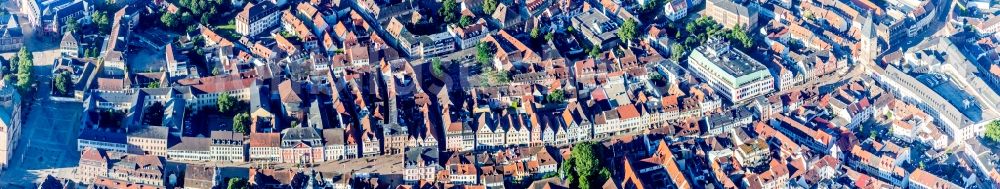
[(265, 139), (628, 111)]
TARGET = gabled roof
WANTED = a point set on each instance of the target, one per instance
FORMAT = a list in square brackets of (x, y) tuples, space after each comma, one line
[(334, 136), (68, 39), (265, 140), (289, 92), (93, 154), (299, 133), (151, 132), (192, 144)]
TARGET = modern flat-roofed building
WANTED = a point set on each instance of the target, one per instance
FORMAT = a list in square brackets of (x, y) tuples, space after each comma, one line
[(735, 74), (597, 28)]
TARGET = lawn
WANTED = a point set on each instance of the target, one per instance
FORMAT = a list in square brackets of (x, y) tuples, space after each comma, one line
[(228, 31), (226, 27)]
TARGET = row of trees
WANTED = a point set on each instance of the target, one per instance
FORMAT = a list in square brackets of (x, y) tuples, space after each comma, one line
[(437, 68), (24, 60), (698, 32), (536, 33), (63, 84), (229, 105), (628, 30), (192, 12), (450, 12), (101, 21), (490, 76)]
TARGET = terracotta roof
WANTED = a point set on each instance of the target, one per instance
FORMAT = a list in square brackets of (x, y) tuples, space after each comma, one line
[(995, 69), (226, 86), (272, 176), (289, 92), (627, 111), (110, 84), (265, 139), (213, 37), (119, 184), (93, 154), (921, 177)]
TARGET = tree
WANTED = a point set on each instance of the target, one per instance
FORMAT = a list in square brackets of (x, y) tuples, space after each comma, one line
[(153, 85), (50, 183), (550, 36), (14, 63), (549, 175), (676, 51), (595, 51), (556, 96), (701, 29), (63, 84), (437, 68), (102, 22), (566, 169), (153, 114), (186, 17), (241, 123), (237, 183), (489, 6), (206, 17), (5, 68), (170, 20), (652, 5), (25, 62), (628, 30), (448, 11), (299, 180), (535, 32), (72, 25), (465, 21), (655, 76), (501, 77), (225, 103), (993, 131), (484, 53), (587, 165), (740, 35)]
